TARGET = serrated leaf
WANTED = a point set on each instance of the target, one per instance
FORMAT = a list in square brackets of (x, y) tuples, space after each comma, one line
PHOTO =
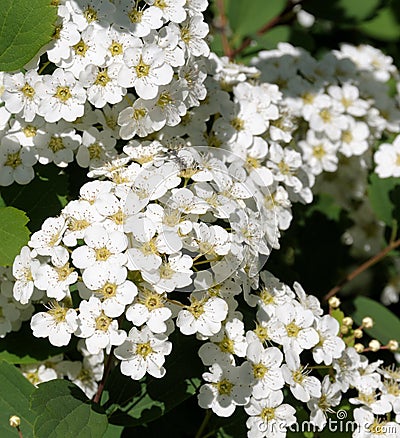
[(22, 347), (383, 197), (43, 197), (13, 234), (15, 392), (25, 26), (245, 18), (386, 324), (64, 411)]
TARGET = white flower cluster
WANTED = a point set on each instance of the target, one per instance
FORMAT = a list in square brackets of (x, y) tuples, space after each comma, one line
[(197, 162), (99, 51)]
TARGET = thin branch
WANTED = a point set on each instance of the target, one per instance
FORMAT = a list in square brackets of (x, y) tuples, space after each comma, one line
[(203, 424), (283, 17), (106, 372), (223, 26), (370, 262)]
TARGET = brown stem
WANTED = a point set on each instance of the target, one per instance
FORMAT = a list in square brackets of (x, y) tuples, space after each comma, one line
[(370, 262), (19, 432), (280, 19), (106, 372), (223, 26)]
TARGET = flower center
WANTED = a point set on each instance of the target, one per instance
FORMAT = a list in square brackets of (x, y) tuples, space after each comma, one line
[(109, 290), (90, 14), (63, 93), (267, 414), (103, 322), (28, 91), (102, 78), (142, 69), (224, 387), (56, 144), (259, 370), (29, 131), (94, 151), (64, 272), (115, 48), (13, 160), (102, 254), (292, 330), (81, 48), (144, 349), (227, 345)]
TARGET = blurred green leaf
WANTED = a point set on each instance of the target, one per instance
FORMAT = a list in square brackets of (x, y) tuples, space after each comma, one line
[(64, 411), (245, 18), (14, 400), (25, 26), (383, 198), (327, 205), (383, 27), (343, 11), (13, 234), (386, 324)]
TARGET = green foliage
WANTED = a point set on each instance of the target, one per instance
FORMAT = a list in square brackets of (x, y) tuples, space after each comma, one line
[(15, 391), (384, 195), (22, 347), (386, 324), (13, 234), (25, 26), (245, 18), (64, 411)]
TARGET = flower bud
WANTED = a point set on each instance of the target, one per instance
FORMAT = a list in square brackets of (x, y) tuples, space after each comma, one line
[(367, 322), (359, 348), (374, 345), (14, 421), (347, 321), (358, 333), (393, 345), (334, 302)]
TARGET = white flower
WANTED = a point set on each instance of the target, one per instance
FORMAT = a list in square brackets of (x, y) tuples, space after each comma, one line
[(228, 342), (98, 330), (172, 10), (102, 84), (302, 386), (86, 13), (38, 373), (145, 69), (62, 97), (143, 352), (292, 328), (57, 324), (46, 241), (266, 364), (387, 159), (229, 387), (319, 407), (193, 31), (203, 316), (15, 162), (149, 309), (370, 426), (269, 417), (97, 148), (24, 269), (139, 21), (330, 346), (112, 288), (21, 94)]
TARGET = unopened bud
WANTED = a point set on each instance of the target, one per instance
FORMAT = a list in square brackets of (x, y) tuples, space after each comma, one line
[(14, 421), (367, 322), (359, 348), (347, 321), (374, 345), (334, 302), (393, 345), (358, 333), (344, 330)]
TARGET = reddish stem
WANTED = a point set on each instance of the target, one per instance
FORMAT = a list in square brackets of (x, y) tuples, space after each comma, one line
[(370, 262), (223, 24), (106, 372)]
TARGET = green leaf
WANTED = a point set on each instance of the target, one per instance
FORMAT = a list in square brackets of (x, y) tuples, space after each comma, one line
[(327, 205), (245, 18), (64, 411), (343, 11), (383, 27), (14, 400), (386, 324), (134, 403), (22, 347), (25, 26), (383, 197), (13, 234), (43, 197)]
